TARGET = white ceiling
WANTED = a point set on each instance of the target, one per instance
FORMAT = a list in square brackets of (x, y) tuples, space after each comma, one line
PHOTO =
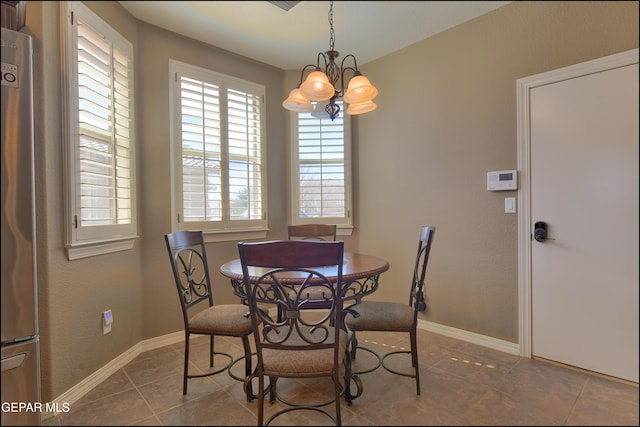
[(292, 39)]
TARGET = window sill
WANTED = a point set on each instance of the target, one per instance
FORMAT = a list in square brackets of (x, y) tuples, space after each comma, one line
[(78, 251), (344, 230), (234, 235)]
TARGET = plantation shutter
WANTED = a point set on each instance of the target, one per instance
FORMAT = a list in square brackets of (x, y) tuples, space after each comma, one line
[(201, 152), (321, 167), (245, 168), (219, 146), (104, 154)]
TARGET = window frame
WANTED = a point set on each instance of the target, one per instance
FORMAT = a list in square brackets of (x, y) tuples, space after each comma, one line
[(225, 229), (85, 241), (344, 224)]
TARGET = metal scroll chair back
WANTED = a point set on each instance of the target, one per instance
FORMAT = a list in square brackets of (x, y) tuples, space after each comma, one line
[(416, 296), (191, 274), (301, 343), (325, 232), (382, 316), (312, 232)]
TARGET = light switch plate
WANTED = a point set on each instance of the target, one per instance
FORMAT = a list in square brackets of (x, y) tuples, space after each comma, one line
[(510, 205)]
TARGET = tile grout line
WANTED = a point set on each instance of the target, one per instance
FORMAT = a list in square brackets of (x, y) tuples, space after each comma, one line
[(135, 386)]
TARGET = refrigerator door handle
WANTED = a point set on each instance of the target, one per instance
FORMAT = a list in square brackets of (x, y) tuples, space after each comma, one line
[(13, 362)]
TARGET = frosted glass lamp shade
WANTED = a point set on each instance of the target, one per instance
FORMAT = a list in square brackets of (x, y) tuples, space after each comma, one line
[(360, 90), (298, 103), (317, 87), (361, 108)]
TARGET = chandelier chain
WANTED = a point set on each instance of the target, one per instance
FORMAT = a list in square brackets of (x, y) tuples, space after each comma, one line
[(332, 36)]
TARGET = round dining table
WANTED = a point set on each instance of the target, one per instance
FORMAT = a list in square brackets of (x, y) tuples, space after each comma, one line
[(360, 274)]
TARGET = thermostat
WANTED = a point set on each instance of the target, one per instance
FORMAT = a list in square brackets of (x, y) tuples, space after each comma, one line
[(502, 180)]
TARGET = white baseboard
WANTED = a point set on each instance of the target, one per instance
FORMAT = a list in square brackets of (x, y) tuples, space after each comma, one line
[(459, 334), (85, 386)]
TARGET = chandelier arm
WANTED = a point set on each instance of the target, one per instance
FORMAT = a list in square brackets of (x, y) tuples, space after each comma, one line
[(355, 70), (342, 85), (324, 60), (355, 63)]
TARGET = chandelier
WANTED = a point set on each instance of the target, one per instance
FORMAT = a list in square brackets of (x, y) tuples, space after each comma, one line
[(321, 85)]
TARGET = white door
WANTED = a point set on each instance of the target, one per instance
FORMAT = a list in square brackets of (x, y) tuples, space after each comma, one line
[(583, 180)]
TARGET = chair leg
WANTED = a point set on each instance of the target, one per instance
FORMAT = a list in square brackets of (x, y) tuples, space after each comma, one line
[(247, 367), (272, 389), (347, 377), (350, 377), (261, 399), (336, 387), (186, 364), (354, 345), (211, 349), (414, 359)]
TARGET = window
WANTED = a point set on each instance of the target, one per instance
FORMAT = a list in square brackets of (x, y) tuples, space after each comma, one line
[(218, 148), (321, 171), (101, 210)]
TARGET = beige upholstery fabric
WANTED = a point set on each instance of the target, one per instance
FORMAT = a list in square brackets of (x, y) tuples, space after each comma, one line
[(381, 316), (222, 319), (303, 361)]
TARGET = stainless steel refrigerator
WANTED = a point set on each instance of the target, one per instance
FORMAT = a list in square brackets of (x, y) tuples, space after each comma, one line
[(20, 341)]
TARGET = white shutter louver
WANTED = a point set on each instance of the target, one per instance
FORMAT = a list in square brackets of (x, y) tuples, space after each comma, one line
[(104, 149), (321, 167), (202, 185), (245, 168)]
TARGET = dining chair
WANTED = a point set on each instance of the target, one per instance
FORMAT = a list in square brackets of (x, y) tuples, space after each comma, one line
[(303, 343), (384, 316), (312, 232), (191, 273)]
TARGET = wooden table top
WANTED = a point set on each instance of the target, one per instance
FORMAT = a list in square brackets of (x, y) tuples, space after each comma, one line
[(359, 274)]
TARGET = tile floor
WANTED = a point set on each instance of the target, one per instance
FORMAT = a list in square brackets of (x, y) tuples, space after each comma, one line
[(462, 384)]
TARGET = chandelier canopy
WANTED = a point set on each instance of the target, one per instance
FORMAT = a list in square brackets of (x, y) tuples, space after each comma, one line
[(321, 85)]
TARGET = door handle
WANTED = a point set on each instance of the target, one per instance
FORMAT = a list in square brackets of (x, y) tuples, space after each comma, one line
[(540, 232)]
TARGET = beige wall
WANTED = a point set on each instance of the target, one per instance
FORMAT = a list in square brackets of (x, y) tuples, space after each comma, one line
[(436, 138), (447, 116), (161, 310), (72, 295), (434, 141)]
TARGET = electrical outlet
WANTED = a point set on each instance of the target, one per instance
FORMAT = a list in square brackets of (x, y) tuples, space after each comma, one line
[(107, 321)]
